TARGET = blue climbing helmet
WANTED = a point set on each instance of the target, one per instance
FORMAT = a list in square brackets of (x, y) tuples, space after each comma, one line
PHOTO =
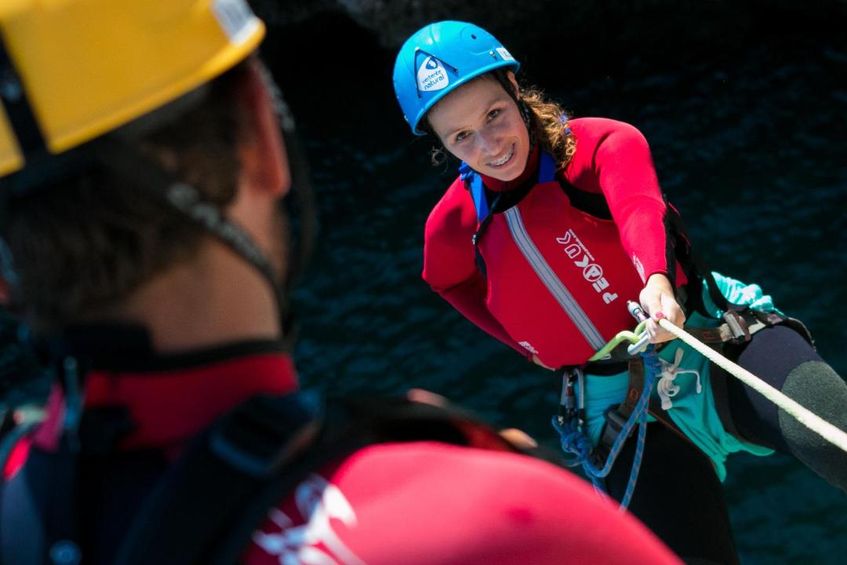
[(440, 57)]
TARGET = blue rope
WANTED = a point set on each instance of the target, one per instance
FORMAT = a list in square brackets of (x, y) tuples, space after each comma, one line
[(575, 442)]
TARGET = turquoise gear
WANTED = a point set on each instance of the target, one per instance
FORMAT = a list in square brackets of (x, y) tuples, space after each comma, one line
[(692, 404), (440, 57)]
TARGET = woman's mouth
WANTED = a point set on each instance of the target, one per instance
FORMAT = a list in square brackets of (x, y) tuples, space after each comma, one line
[(503, 160)]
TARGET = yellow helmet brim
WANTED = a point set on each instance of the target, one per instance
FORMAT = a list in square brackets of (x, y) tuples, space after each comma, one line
[(90, 66)]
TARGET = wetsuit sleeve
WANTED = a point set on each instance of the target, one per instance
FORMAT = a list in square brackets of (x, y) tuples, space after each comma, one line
[(614, 158), (450, 265)]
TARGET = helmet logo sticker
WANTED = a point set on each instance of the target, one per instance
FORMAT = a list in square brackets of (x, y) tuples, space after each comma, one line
[(432, 75), (504, 54)]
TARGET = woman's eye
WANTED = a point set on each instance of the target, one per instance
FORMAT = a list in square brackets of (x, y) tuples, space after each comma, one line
[(493, 114), (461, 136)]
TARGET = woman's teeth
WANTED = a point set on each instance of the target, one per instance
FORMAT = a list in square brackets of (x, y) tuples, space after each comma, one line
[(504, 159)]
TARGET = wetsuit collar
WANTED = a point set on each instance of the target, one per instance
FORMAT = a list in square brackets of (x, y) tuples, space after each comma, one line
[(165, 399)]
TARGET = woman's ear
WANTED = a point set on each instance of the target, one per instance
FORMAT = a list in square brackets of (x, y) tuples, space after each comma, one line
[(512, 79), (261, 147)]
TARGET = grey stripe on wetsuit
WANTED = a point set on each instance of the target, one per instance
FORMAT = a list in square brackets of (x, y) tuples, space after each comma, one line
[(550, 280)]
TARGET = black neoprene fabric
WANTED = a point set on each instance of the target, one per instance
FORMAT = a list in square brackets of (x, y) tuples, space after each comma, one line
[(678, 496), (786, 361)]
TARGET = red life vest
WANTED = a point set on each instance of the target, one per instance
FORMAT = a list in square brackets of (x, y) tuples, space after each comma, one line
[(558, 277)]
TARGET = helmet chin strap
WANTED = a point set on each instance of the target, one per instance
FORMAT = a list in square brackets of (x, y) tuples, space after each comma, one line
[(189, 201)]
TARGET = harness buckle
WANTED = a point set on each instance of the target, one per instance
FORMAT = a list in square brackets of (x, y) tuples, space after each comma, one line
[(615, 422), (737, 325), (611, 430)]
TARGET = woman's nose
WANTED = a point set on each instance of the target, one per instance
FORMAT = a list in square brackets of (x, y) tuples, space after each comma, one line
[(488, 142)]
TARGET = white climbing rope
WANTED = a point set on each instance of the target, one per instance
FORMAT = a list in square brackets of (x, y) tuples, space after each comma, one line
[(809, 419)]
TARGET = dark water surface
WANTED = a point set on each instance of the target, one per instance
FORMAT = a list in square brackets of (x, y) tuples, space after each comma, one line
[(750, 145)]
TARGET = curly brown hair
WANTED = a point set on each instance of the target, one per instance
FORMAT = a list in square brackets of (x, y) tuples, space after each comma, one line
[(549, 125)]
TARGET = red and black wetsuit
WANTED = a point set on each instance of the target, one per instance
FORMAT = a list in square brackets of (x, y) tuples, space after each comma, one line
[(601, 263), (412, 502)]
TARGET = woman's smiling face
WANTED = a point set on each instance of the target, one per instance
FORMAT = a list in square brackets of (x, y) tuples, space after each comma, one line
[(480, 124)]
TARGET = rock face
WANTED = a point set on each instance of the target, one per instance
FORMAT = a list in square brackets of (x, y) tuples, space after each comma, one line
[(528, 24), (325, 51)]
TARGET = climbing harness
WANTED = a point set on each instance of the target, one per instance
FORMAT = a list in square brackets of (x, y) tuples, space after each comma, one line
[(648, 371), (570, 424)]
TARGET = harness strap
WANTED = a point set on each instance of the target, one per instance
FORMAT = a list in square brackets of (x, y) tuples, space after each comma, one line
[(738, 327), (43, 496), (616, 417), (197, 501), (23, 544), (720, 393)]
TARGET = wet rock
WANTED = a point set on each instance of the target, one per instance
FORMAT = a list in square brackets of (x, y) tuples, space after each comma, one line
[(529, 25)]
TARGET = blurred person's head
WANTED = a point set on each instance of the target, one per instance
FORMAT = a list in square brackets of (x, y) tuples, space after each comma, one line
[(140, 152)]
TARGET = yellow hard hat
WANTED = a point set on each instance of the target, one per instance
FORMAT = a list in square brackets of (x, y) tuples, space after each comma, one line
[(89, 66)]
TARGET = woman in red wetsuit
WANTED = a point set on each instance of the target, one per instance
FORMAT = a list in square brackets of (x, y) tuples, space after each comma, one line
[(552, 225)]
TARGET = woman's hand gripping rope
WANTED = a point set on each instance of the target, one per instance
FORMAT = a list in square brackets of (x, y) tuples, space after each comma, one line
[(659, 302)]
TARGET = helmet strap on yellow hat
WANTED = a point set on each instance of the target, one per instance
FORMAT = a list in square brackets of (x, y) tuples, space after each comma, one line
[(14, 99), (40, 164), (131, 166)]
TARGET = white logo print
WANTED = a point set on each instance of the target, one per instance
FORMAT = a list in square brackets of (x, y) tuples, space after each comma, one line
[(432, 75), (504, 54), (638, 267), (582, 258), (312, 543), (528, 346)]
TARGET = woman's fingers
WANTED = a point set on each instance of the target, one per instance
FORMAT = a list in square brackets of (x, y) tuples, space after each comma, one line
[(426, 397), (658, 300), (518, 438)]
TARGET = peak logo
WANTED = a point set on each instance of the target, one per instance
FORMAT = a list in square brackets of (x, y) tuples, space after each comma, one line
[(582, 258), (315, 542), (528, 346), (432, 75)]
